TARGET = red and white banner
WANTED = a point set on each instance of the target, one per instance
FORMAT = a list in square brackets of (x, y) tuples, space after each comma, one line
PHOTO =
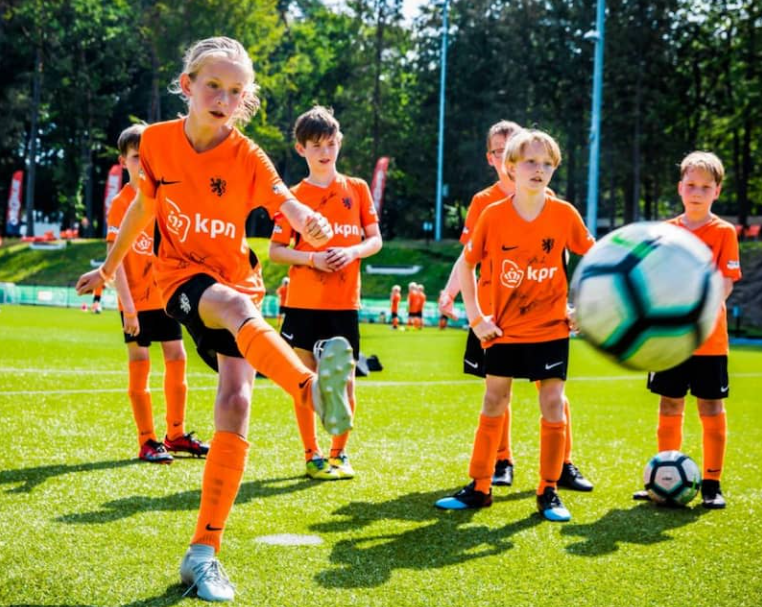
[(378, 183), (13, 219), (113, 186)]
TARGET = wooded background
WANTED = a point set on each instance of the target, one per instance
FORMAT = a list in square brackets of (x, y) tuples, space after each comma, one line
[(679, 75)]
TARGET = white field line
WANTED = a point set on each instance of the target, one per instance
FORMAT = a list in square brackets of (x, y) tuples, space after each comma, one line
[(270, 386)]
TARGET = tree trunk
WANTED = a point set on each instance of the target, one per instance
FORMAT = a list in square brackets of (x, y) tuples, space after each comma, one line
[(31, 163), (380, 24)]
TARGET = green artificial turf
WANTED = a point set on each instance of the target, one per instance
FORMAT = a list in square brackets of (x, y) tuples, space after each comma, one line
[(82, 522)]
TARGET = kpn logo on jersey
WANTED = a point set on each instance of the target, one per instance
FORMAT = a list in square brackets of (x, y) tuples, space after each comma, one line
[(143, 245), (179, 224), (512, 275)]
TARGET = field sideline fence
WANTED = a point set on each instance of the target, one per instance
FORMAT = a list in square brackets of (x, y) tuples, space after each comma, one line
[(371, 311)]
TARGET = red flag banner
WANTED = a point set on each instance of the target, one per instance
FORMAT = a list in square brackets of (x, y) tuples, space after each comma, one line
[(113, 185), (13, 218), (378, 183)]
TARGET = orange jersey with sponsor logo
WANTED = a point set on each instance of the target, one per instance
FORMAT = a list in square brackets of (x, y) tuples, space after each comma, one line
[(720, 237), (203, 200), (527, 261), (282, 293), (347, 205), (139, 261), (395, 302)]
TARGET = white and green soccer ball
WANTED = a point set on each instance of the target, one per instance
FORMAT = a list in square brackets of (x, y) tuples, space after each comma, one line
[(672, 477), (648, 294)]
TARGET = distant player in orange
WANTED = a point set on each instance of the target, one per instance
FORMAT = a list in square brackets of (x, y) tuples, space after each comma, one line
[(394, 303), (415, 301), (95, 307), (324, 293), (200, 177), (706, 372), (473, 359), (524, 239), (144, 321), (282, 293)]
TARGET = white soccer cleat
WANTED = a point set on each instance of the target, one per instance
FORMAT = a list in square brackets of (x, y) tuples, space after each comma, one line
[(335, 366), (201, 570)]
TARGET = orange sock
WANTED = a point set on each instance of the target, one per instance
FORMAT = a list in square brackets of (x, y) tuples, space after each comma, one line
[(552, 439), (504, 447), (266, 351), (175, 393), (569, 441), (715, 436), (339, 443), (223, 471), (140, 399), (305, 421), (484, 454), (395, 322), (670, 432)]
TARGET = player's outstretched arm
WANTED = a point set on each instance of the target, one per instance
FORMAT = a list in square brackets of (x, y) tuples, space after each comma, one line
[(142, 210), (131, 324), (340, 257), (311, 225)]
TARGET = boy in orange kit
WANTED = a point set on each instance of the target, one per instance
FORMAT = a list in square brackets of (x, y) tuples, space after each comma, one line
[(706, 372), (473, 359), (394, 304), (200, 178), (524, 239), (324, 293), (144, 321)]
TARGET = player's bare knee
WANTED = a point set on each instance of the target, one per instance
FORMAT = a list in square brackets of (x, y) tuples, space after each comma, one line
[(710, 407), (671, 406), (233, 405)]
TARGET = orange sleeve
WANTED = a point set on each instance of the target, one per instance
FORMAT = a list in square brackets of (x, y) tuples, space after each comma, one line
[(728, 262), (368, 214), (282, 230), (580, 239), (474, 251), (472, 215), (147, 178), (269, 190), (115, 215)]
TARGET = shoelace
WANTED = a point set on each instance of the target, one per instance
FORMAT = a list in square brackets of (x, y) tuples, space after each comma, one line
[(573, 471), (211, 571)]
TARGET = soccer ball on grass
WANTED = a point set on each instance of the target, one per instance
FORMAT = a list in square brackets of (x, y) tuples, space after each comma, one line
[(672, 477), (647, 294)]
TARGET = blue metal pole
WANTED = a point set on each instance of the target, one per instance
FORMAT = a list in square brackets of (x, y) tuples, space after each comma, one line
[(595, 121), (440, 149)]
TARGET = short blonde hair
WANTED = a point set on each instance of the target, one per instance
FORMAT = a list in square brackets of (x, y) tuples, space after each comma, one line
[(517, 145), (706, 161), (220, 46), (506, 128)]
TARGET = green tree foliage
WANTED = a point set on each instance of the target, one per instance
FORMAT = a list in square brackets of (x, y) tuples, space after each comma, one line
[(679, 75)]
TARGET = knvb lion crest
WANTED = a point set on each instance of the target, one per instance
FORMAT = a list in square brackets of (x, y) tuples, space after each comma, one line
[(218, 185)]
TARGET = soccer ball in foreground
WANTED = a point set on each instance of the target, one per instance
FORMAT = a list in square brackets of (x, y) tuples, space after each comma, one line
[(672, 477), (648, 294)]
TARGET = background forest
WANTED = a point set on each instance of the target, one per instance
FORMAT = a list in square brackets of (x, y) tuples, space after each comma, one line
[(679, 75)]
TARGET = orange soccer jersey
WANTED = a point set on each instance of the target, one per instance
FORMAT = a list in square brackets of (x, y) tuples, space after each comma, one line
[(720, 237), (138, 264), (527, 262), (395, 302), (346, 203), (203, 200)]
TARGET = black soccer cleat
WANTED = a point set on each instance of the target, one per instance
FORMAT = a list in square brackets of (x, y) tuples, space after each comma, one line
[(711, 495), (571, 478), (465, 499), (503, 475)]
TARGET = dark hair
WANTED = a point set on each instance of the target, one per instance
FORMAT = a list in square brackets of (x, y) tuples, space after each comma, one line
[(130, 138), (316, 124)]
